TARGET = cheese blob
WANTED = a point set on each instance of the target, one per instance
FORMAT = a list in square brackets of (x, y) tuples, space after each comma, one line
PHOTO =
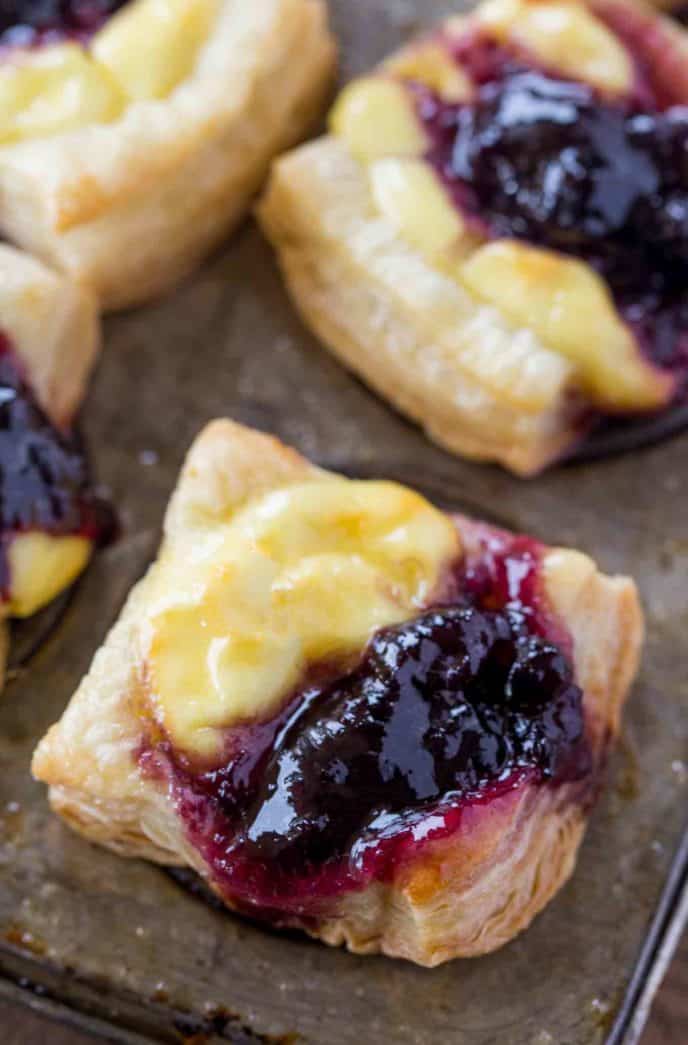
[(142, 53), (302, 575)]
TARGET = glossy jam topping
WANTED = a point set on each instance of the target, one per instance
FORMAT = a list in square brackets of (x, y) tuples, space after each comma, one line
[(443, 713), (553, 162), (44, 483), (28, 23)]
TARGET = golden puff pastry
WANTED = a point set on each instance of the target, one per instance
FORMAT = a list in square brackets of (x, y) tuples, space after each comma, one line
[(49, 336), (474, 236), (348, 711), (127, 153)]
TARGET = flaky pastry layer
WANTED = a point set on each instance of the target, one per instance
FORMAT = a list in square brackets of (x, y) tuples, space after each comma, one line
[(52, 325)]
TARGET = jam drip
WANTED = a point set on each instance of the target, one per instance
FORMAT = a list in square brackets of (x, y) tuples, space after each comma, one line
[(44, 481), (443, 713), (552, 162), (29, 23)]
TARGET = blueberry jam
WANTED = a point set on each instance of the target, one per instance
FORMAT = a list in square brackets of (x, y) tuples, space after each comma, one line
[(443, 714), (552, 162), (43, 474), (29, 23)]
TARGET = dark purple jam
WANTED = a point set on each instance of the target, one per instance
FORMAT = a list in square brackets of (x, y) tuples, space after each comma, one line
[(29, 23), (553, 162), (44, 483), (444, 713)]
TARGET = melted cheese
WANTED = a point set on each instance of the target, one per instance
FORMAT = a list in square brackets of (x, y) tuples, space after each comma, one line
[(374, 117), (430, 64), (411, 196), (40, 567), (301, 575), (571, 310), (176, 30), (53, 90), (144, 51), (564, 35)]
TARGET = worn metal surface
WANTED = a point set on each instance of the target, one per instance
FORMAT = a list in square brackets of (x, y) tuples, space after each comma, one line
[(122, 940)]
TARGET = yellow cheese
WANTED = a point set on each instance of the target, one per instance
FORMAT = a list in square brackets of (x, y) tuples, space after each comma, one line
[(571, 310), (40, 566), (55, 90), (411, 196), (301, 575), (144, 51), (374, 117), (150, 46), (562, 34), (430, 64)]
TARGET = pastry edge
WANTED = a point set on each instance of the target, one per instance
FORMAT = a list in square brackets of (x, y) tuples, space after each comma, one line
[(54, 330), (438, 909)]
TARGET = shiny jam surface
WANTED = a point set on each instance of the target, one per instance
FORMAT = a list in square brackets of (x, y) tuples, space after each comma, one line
[(44, 482), (443, 714), (29, 23), (543, 159)]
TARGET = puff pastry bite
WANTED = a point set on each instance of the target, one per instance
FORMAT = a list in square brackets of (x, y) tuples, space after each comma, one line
[(133, 134), (348, 711), (494, 234), (49, 516)]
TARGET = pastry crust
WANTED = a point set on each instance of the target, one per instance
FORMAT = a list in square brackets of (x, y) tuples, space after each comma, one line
[(464, 896), (480, 385), (131, 207), (53, 328)]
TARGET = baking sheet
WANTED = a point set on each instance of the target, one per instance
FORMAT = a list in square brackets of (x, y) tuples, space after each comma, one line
[(135, 954)]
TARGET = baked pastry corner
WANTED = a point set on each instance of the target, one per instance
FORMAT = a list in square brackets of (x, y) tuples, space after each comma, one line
[(54, 329)]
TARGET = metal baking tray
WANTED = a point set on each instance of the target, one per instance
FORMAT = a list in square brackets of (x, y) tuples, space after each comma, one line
[(125, 949)]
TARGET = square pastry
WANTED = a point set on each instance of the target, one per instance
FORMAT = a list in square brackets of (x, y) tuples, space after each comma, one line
[(49, 517), (494, 234), (133, 133), (347, 710)]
